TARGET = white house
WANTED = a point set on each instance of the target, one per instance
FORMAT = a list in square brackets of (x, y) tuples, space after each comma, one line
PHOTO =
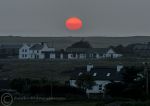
[(24, 51), (101, 75), (92, 53), (35, 51), (42, 51), (111, 54)]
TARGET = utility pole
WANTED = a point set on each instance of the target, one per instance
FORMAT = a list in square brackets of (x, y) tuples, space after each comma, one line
[(51, 84), (146, 70), (147, 81)]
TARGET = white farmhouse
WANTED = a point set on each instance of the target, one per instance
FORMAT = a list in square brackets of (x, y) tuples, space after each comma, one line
[(111, 54), (24, 51), (92, 53), (35, 51), (101, 75), (42, 51)]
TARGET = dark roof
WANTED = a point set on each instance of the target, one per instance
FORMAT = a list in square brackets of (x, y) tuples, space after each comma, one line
[(87, 50), (36, 47), (51, 52), (142, 47), (100, 73)]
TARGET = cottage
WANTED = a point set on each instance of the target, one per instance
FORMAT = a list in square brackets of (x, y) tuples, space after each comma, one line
[(101, 75), (42, 51), (110, 53), (92, 53), (35, 51)]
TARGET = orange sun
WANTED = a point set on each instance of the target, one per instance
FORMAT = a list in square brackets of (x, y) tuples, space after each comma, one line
[(74, 23)]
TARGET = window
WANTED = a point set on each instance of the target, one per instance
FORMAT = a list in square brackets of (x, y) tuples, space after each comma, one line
[(22, 55), (100, 87), (22, 50), (25, 55), (80, 73), (94, 74), (108, 74), (74, 55), (37, 56), (25, 50)]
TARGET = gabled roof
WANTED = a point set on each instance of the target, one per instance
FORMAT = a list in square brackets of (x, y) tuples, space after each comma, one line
[(87, 50), (36, 47), (99, 73)]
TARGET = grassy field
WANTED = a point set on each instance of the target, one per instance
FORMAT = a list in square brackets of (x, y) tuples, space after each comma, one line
[(58, 70)]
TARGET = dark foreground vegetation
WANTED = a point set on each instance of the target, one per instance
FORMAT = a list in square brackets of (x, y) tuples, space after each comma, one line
[(45, 88), (130, 92), (80, 103)]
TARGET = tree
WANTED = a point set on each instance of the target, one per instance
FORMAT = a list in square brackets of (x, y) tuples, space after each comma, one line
[(114, 89), (132, 85), (85, 81), (81, 44), (131, 74)]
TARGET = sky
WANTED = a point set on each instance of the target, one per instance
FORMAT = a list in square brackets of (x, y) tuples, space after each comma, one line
[(100, 17)]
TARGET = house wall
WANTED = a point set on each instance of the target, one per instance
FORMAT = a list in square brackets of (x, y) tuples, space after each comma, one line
[(82, 56), (72, 83), (72, 56), (95, 88), (61, 56), (111, 54), (34, 54), (46, 48), (97, 56), (99, 87), (38, 54), (52, 56), (24, 52)]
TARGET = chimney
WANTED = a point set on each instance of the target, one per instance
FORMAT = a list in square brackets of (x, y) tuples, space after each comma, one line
[(119, 67), (42, 43), (89, 67)]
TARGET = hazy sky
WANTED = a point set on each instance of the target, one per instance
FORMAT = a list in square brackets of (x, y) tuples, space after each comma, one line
[(100, 17)]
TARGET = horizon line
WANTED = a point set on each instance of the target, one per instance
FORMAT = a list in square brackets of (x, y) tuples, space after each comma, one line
[(73, 36)]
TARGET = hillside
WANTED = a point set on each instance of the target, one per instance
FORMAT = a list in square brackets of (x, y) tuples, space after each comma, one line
[(63, 42)]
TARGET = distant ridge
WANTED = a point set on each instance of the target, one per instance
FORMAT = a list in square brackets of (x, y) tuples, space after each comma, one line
[(63, 42)]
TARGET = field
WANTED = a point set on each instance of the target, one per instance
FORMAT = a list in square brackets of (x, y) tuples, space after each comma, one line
[(61, 68), (58, 70)]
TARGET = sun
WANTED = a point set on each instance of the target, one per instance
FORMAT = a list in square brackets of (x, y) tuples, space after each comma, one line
[(74, 23)]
